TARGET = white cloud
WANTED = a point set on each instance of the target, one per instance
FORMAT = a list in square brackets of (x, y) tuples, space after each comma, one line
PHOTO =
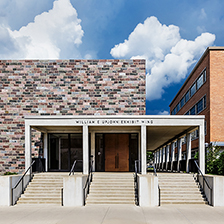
[(203, 14), (50, 35), (164, 112), (168, 57)]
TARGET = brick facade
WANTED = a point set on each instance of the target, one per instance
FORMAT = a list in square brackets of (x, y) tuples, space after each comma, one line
[(217, 96), (63, 87), (213, 61)]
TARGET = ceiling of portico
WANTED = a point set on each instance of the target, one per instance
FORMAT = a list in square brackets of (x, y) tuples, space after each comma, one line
[(159, 135)]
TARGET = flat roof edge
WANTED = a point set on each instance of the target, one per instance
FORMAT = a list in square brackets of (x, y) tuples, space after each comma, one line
[(214, 48), (116, 117)]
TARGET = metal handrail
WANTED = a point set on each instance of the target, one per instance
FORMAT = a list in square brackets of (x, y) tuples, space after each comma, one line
[(88, 181), (73, 167), (21, 179), (136, 182), (204, 180), (154, 168)]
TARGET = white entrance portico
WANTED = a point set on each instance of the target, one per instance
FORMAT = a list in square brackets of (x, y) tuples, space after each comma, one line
[(155, 133)]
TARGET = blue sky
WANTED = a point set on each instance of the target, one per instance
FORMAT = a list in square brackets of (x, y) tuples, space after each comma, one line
[(170, 34)]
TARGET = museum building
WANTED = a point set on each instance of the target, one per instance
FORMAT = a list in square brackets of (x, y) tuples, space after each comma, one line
[(64, 111), (203, 94)]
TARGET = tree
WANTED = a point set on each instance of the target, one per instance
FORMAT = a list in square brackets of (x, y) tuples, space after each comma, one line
[(212, 159), (150, 157), (220, 164)]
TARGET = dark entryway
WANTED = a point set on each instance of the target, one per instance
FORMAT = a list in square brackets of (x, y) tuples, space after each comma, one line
[(64, 149)]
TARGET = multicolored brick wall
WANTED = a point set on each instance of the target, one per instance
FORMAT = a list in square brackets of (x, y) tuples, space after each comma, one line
[(63, 87)]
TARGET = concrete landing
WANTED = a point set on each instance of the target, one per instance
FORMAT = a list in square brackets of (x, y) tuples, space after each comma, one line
[(111, 214)]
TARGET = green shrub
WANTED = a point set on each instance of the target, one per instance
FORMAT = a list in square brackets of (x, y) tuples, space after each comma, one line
[(212, 159), (9, 173), (220, 164)]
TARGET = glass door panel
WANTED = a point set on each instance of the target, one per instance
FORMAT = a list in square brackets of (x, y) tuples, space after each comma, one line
[(64, 152), (53, 152), (76, 151), (99, 152)]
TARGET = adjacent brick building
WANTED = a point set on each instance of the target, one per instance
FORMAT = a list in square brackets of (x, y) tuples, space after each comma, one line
[(203, 94), (63, 87)]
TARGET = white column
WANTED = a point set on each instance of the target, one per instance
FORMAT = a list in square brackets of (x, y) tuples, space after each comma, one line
[(28, 146), (143, 149), (160, 158), (45, 151), (188, 150), (157, 158), (172, 154), (201, 133), (139, 151), (164, 157), (167, 156), (179, 149), (85, 138), (93, 148)]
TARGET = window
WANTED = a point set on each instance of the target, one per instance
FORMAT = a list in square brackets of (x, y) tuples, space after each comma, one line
[(196, 85), (194, 135), (204, 74), (193, 89), (192, 111), (178, 107), (187, 96), (200, 106), (200, 81), (182, 102), (174, 111)]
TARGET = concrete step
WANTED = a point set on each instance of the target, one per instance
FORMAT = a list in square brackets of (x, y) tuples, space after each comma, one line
[(183, 202), (179, 189), (110, 202), (182, 196), (112, 188), (182, 192), (44, 188)]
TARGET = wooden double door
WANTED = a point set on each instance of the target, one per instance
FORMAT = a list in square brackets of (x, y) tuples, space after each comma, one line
[(116, 152)]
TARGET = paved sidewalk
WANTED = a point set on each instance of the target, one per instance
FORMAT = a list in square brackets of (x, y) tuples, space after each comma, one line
[(114, 214)]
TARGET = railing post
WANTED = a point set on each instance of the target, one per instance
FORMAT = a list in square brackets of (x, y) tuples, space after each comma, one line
[(62, 199), (211, 196), (22, 187), (12, 197), (159, 194)]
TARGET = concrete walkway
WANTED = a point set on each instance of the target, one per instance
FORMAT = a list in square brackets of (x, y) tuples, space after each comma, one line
[(116, 214)]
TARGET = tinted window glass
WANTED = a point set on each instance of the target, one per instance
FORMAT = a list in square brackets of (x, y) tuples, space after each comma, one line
[(200, 81), (182, 102), (187, 96), (192, 111), (178, 107), (199, 106), (193, 89)]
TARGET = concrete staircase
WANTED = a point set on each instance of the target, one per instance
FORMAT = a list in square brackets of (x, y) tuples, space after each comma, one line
[(111, 188), (177, 188), (45, 188)]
